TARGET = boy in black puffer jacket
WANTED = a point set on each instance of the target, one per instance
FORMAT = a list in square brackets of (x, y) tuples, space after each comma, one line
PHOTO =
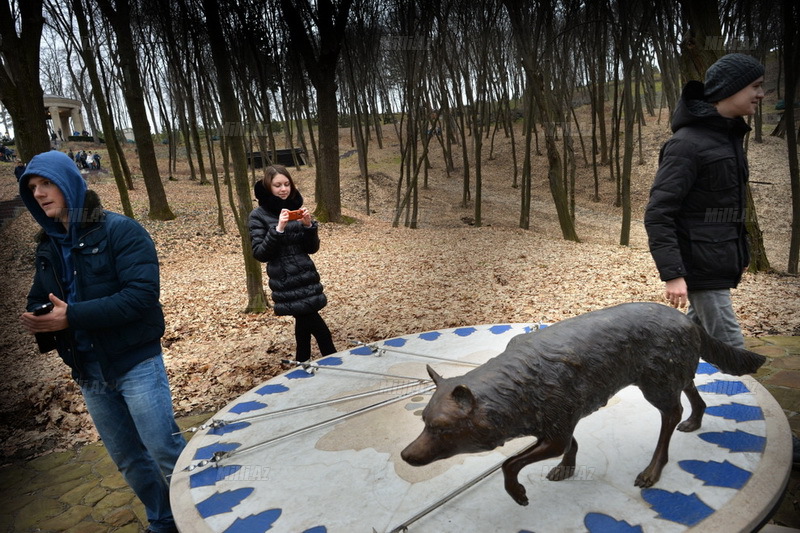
[(285, 244), (695, 219)]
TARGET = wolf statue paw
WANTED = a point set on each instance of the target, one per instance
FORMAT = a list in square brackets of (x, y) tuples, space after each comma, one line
[(688, 425), (517, 492), (646, 479), (560, 472)]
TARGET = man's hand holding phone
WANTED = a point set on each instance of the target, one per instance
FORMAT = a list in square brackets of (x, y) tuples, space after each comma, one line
[(50, 316)]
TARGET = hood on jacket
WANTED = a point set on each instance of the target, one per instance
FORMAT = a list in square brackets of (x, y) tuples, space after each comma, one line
[(61, 170), (693, 108)]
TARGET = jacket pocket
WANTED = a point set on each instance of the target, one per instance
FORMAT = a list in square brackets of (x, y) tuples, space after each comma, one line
[(719, 173), (96, 260), (715, 252)]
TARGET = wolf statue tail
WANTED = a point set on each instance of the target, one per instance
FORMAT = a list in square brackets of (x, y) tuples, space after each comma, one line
[(727, 358)]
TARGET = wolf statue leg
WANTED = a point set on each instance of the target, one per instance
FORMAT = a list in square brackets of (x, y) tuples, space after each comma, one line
[(542, 450), (698, 408), (669, 420), (566, 468)]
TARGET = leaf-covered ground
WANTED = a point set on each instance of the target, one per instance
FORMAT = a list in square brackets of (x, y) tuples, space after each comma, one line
[(381, 281)]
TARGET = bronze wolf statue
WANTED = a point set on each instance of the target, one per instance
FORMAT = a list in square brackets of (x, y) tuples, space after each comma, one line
[(547, 380)]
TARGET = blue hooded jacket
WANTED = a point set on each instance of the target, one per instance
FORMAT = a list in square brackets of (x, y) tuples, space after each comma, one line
[(61, 170), (104, 266)]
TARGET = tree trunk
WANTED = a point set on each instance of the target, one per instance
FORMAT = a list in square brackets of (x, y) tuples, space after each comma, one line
[(791, 64), (698, 50), (758, 254), (317, 34), (229, 107), (114, 156), (120, 19), (20, 89), (328, 197)]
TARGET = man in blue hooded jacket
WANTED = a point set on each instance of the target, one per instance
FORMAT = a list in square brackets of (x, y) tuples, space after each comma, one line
[(99, 270)]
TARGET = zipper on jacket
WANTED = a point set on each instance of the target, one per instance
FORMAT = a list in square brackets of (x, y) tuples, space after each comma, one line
[(71, 345)]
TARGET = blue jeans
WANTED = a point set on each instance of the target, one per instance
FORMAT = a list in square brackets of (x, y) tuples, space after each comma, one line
[(713, 310), (133, 415)]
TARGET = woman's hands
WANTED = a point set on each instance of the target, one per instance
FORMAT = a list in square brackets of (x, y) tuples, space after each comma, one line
[(283, 219)]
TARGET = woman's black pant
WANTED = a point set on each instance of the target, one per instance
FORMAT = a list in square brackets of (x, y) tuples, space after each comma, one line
[(304, 327)]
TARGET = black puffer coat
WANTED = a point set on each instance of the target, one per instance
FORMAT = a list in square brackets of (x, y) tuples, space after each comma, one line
[(293, 277), (695, 219)]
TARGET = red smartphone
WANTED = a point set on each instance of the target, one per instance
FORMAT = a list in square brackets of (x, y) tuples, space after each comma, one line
[(297, 214)]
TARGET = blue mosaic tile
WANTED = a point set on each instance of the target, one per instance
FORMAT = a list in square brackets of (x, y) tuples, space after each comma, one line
[(602, 523), (246, 407), (717, 474), (256, 522), (736, 411), (686, 509), (736, 441), (223, 502)]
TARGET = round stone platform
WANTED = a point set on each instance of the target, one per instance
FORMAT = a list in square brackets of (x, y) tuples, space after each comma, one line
[(316, 452)]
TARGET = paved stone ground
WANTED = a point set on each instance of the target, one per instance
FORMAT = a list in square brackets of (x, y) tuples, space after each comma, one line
[(781, 377), (80, 491)]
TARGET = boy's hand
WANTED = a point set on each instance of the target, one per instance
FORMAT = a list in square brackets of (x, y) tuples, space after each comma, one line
[(55, 320), (676, 292)]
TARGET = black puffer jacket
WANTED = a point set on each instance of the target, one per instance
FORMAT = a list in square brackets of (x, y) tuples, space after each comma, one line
[(293, 277), (695, 219)]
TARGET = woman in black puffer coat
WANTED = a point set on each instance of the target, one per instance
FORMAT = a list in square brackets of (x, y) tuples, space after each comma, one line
[(285, 244)]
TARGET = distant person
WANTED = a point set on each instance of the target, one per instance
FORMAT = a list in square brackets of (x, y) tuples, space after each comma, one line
[(19, 169), (695, 219), (99, 271), (285, 245)]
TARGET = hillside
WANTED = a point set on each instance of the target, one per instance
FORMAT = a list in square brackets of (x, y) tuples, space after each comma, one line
[(380, 281)]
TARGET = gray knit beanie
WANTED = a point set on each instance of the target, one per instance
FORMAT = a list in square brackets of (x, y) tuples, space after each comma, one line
[(730, 74)]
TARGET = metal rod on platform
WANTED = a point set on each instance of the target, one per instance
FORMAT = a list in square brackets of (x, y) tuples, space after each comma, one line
[(331, 367), (375, 348), (213, 424), (435, 505), (219, 456)]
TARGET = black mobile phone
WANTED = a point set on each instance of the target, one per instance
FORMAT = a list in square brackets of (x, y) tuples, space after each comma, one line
[(43, 309)]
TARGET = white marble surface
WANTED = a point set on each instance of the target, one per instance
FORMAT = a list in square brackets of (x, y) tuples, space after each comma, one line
[(349, 477)]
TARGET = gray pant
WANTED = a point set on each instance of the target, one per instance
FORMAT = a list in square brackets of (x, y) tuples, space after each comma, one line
[(713, 310)]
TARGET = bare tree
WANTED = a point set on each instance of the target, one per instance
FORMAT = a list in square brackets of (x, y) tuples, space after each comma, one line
[(316, 33), (231, 131), (631, 21), (20, 91), (119, 17), (701, 17), (86, 45), (790, 12), (532, 25)]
